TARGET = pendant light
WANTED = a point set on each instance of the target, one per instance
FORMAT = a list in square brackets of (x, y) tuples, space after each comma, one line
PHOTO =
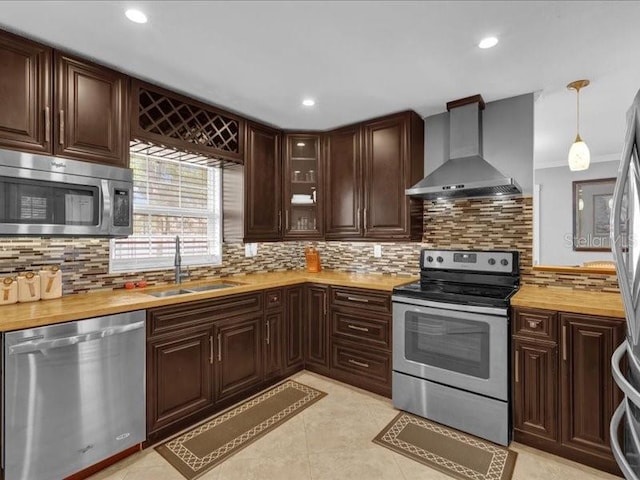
[(579, 155)]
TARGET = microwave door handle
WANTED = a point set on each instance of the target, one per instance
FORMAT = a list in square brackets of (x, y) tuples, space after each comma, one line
[(105, 220), (43, 345)]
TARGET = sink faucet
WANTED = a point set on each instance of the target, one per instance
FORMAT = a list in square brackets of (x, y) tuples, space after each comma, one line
[(179, 274)]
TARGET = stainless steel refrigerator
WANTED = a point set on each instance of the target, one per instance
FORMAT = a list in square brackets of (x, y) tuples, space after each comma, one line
[(625, 240)]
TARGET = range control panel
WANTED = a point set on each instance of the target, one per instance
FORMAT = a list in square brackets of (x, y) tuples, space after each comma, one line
[(471, 260)]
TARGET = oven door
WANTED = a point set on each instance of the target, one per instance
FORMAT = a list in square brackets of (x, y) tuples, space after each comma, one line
[(466, 350)]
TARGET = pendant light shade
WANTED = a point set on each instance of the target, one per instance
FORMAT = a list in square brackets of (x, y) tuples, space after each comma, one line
[(579, 156)]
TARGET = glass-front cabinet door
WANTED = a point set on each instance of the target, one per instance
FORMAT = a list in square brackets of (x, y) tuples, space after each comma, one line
[(302, 191)]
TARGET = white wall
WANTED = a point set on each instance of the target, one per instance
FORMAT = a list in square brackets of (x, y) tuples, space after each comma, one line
[(507, 135), (553, 224)]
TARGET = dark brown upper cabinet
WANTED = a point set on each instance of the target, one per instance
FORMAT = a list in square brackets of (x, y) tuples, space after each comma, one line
[(91, 112), (52, 103), (368, 168), (393, 162), (343, 184), (263, 173), (25, 94), (303, 213)]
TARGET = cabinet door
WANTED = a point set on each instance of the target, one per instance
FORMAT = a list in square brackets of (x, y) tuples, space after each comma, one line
[(239, 356), (536, 388), (273, 354), (179, 374), (317, 326), (263, 210), (303, 212), (343, 184), (393, 162), (92, 121), (589, 395), (25, 94), (294, 328)]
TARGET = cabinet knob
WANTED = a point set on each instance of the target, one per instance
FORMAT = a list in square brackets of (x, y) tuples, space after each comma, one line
[(534, 323)]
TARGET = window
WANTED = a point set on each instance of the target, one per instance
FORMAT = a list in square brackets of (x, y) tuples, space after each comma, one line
[(170, 198)]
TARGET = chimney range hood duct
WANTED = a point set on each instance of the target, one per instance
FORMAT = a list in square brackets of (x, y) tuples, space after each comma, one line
[(466, 174)]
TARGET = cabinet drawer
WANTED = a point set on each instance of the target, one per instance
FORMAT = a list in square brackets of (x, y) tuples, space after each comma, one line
[(361, 327), (181, 315), (362, 363), (540, 324), (361, 299), (273, 298)]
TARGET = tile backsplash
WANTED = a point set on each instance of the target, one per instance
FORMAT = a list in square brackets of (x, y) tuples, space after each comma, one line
[(499, 224)]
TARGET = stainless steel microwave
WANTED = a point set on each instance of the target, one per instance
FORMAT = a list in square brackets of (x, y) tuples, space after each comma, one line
[(50, 196)]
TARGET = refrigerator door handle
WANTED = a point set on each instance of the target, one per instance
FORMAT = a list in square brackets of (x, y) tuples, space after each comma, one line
[(628, 273), (630, 392), (616, 448)]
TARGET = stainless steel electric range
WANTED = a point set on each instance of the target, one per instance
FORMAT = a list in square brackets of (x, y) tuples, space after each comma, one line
[(451, 341)]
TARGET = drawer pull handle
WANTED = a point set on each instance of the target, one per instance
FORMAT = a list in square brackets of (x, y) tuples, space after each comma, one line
[(47, 124), (61, 133), (360, 329), (360, 364), (534, 323), (358, 299)]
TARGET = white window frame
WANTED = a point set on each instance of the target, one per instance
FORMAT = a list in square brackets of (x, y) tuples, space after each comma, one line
[(214, 198)]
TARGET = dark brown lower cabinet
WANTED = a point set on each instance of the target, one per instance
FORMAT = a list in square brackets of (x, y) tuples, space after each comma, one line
[(272, 345), (564, 394), (179, 376), (294, 329), (239, 356), (588, 396), (317, 326), (536, 388)]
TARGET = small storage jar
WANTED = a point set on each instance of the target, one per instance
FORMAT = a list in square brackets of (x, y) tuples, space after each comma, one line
[(50, 282), (28, 287), (8, 291)]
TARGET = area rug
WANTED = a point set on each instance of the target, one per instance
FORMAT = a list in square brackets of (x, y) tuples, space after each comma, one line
[(200, 449), (454, 453)]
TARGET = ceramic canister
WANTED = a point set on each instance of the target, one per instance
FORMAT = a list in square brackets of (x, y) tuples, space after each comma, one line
[(28, 287), (8, 291), (50, 282)]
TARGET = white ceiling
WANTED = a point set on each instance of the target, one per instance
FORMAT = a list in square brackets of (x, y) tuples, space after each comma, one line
[(360, 59)]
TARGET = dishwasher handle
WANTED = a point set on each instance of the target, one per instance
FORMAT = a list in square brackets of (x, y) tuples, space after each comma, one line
[(43, 345)]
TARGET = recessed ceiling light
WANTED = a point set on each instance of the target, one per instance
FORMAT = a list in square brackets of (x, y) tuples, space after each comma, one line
[(136, 16), (308, 102), (300, 144), (488, 42)]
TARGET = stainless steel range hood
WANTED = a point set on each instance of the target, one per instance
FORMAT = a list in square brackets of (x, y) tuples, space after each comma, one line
[(466, 174)]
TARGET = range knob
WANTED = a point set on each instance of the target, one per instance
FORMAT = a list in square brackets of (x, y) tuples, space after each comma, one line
[(439, 259), (429, 259), (504, 262), (492, 261)]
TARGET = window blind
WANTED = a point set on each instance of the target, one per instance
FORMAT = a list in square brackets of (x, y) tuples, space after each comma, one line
[(171, 198)]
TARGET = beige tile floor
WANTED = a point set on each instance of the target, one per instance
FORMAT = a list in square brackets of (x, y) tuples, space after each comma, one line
[(331, 440)]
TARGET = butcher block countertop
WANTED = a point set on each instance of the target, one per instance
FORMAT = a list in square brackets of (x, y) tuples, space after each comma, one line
[(603, 304), (94, 304)]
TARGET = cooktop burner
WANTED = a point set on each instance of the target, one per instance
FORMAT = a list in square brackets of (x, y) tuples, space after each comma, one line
[(485, 278), (458, 293)]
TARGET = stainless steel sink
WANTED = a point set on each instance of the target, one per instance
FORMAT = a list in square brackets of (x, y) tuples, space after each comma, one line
[(216, 286), (202, 288), (170, 293)]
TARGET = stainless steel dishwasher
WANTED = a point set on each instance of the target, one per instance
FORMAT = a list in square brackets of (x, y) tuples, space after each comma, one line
[(73, 395)]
